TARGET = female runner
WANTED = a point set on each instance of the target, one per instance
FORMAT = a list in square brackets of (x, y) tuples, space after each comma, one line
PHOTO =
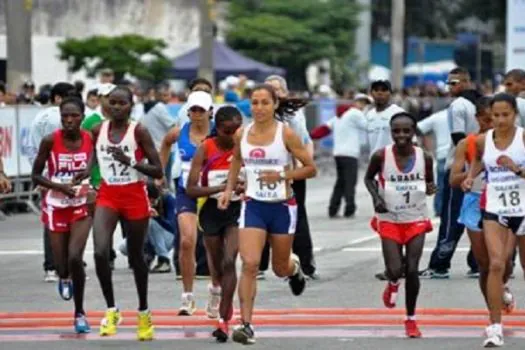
[(502, 151), (122, 145), (67, 152), (470, 215), (265, 147), (188, 138), (405, 178), (220, 227)]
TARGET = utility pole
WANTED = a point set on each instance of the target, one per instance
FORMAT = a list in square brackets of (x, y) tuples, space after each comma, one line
[(18, 25), (397, 42), (207, 14)]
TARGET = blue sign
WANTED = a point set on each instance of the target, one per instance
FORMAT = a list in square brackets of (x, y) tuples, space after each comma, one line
[(327, 110)]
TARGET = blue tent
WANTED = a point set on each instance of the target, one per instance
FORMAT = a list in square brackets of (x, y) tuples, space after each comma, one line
[(226, 62)]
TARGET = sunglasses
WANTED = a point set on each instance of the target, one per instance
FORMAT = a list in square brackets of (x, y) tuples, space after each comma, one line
[(453, 82)]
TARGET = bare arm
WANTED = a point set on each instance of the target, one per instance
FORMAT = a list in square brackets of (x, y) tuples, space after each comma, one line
[(477, 164), (165, 148), (300, 152), (153, 167), (193, 189), (429, 174), (235, 165), (457, 173)]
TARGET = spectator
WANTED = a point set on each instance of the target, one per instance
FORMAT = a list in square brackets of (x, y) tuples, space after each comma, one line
[(107, 76), (28, 95), (3, 95), (92, 103), (79, 85)]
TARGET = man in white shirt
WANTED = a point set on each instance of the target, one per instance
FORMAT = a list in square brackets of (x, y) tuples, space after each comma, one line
[(346, 131), (462, 121), (437, 124), (46, 122), (378, 118), (514, 82)]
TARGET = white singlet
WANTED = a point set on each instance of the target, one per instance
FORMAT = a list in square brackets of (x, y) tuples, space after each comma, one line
[(112, 171), (404, 192), (274, 156), (505, 190)]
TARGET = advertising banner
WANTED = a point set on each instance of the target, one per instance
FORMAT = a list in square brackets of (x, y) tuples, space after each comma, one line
[(515, 57), (9, 140)]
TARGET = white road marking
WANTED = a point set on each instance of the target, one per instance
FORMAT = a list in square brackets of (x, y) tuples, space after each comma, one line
[(378, 249)]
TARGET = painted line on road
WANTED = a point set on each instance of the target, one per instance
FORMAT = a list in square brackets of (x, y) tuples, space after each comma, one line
[(379, 249)]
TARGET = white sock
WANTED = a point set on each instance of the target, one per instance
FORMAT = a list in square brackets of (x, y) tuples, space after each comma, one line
[(188, 295), (214, 290), (411, 318), (113, 309), (144, 312), (295, 269)]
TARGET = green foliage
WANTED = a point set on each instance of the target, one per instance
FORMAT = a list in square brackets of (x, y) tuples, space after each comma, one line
[(294, 33), (123, 54)]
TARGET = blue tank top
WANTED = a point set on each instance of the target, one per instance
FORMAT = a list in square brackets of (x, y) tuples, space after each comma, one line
[(186, 150)]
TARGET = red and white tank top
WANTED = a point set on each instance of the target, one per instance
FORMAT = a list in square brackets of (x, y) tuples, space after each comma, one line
[(274, 156), (63, 164), (215, 170), (404, 192), (113, 172), (505, 191)]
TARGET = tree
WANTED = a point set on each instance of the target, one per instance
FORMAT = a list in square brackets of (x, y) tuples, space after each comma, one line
[(295, 33), (134, 54)]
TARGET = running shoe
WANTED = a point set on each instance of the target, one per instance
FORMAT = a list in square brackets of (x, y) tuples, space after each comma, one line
[(472, 274), (65, 289), (110, 322), (261, 275), (145, 329), (214, 301), (244, 334), (297, 282), (50, 276), (509, 303), (81, 324), (494, 336), (411, 329), (221, 332), (390, 295), (433, 274), (188, 306), (161, 267)]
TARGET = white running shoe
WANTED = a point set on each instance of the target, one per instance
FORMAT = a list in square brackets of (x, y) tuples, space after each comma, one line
[(494, 336), (188, 306), (214, 301), (50, 276)]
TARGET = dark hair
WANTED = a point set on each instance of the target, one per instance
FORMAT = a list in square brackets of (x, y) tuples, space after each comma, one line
[(93, 92), (124, 88), (75, 101), (63, 90), (403, 114), (198, 81), (224, 114), (460, 71), (482, 104), (79, 85), (287, 105), (504, 97), (516, 74)]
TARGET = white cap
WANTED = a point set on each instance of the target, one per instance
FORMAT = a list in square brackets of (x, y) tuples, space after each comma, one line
[(232, 80), (105, 89), (361, 96), (325, 89), (201, 99)]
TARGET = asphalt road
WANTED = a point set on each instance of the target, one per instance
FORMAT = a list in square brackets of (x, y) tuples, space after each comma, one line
[(341, 310)]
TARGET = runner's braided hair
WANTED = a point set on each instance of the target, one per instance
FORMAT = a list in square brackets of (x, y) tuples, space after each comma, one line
[(404, 114), (224, 114), (287, 106), (75, 101)]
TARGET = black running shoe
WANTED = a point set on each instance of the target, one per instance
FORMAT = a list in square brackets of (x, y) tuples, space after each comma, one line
[(297, 282), (244, 334)]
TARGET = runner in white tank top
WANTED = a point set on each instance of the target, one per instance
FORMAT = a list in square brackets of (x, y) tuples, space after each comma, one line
[(502, 151), (406, 177), (269, 208), (121, 145)]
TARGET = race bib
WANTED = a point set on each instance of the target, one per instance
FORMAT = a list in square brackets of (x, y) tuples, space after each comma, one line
[(61, 200), (506, 198), (265, 192), (220, 177), (404, 196)]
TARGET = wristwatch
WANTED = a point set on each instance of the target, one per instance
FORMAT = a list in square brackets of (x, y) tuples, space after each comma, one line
[(132, 163), (282, 175)]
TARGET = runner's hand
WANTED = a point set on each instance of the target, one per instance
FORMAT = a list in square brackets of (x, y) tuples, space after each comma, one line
[(466, 185), (5, 184), (380, 205), (224, 200), (240, 188), (66, 189), (431, 188), (508, 163), (78, 178), (119, 155)]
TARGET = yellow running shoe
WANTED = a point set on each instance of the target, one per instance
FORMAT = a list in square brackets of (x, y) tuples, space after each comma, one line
[(108, 325), (145, 329)]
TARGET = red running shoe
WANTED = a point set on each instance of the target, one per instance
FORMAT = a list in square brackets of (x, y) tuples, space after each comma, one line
[(411, 329), (222, 331), (390, 295)]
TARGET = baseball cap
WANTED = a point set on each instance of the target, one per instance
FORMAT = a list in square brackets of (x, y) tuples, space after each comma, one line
[(105, 89), (381, 83), (361, 96), (200, 99)]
